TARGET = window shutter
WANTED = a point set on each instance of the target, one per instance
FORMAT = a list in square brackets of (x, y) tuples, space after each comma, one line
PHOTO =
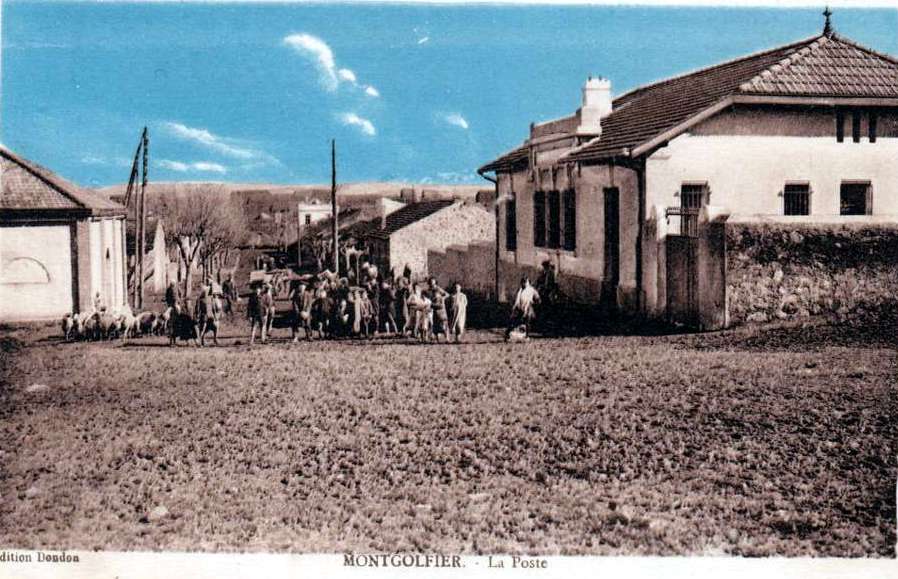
[(856, 126), (554, 241), (840, 125), (511, 226), (570, 220), (871, 126), (539, 218), (869, 200)]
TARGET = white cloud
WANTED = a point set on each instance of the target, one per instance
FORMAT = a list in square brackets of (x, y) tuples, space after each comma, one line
[(320, 53), (456, 120), (363, 124), (211, 167), (202, 166), (222, 145), (347, 75), (91, 159), (174, 165), (322, 56), (423, 40)]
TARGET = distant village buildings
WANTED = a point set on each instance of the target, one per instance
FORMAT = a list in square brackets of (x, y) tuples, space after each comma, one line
[(61, 247), (312, 211), (800, 131)]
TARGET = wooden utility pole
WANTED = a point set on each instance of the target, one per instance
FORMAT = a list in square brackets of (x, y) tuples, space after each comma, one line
[(335, 230), (132, 184), (298, 238), (142, 220)]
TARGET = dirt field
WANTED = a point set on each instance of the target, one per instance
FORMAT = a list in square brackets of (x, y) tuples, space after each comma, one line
[(781, 442)]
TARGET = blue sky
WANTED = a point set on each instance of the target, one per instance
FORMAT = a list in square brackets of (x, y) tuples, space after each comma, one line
[(254, 92)]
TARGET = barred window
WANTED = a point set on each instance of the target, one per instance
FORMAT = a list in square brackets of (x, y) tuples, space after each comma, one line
[(693, 196), (539, 218), (856, 126), (797, 199), (511, 226), (570, 220), (554, 211)]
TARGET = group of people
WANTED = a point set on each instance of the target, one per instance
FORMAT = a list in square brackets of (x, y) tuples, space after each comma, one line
[(213, 302), (331, 307)]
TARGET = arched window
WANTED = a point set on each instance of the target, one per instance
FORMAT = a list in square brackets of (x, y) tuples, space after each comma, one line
[(24, 270)]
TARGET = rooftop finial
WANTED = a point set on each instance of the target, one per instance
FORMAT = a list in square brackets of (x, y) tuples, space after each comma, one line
[(827, 25)]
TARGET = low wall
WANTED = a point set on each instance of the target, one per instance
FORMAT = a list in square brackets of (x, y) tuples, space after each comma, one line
[(796, 269), (473, 266)]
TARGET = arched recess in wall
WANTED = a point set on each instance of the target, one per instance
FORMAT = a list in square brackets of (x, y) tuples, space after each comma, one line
[(24, 270)]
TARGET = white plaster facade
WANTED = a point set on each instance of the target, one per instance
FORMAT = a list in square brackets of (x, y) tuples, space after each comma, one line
[(312, 212), (746, 158), (35, 276)]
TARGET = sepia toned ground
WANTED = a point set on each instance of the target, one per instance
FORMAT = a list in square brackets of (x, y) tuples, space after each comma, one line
[(745, 442)]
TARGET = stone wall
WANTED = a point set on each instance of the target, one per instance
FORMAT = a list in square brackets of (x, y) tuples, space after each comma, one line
[(459, 224), (794, 270), (473, 266)]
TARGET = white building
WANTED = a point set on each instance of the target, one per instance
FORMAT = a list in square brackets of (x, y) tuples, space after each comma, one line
[(810, 128), (310, 212), (61, 246)]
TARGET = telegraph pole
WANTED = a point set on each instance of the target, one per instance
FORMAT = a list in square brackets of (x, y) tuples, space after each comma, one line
[(335, 231), (298, 238), (132, 185), (142, 220)]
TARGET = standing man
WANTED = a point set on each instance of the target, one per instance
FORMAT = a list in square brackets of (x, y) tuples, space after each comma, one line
[(439, 316), (208, 315), (229, 294), (268, 311), (254, 313), (523, 313), (387, 308)]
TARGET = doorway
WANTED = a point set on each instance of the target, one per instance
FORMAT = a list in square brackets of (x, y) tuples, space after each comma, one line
[(611, 274)]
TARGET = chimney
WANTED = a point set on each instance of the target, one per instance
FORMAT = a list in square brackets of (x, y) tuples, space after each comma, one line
[(596, 105)]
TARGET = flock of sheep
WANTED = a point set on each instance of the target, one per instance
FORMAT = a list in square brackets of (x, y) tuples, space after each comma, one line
[(106, 325)]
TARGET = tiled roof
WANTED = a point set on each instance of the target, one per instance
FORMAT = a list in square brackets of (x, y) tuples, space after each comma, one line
[(823, 66), (829, 66), (31, 187), (515, 157), (409, 214)]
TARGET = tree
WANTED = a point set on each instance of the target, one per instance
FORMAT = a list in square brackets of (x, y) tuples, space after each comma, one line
[(202, 222)]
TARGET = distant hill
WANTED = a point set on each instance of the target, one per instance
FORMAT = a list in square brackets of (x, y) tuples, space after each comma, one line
[(358, 191)]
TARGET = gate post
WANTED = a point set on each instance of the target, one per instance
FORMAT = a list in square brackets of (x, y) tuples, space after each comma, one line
[(713, 313)]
